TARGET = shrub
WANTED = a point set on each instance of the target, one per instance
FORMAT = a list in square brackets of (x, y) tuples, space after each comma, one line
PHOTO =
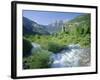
[(54, 47), (41, 59), (26, 47)]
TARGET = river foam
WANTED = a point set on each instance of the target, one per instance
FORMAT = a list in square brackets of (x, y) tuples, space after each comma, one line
[(71, 56)]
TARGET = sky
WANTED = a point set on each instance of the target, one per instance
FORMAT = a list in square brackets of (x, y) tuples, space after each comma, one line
[(47, 17)]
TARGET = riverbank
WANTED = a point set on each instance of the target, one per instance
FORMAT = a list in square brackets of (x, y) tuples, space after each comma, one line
[(70, 56)]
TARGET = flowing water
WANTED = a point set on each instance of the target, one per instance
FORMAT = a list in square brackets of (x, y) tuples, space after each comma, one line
[(70, 56), (35, 47)]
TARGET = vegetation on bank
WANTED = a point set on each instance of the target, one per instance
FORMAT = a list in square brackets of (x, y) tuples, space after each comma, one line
[(74, 32), (26, 47), (39, 59)]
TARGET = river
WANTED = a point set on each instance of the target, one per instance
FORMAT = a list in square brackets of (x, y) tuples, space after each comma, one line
[(70, 56)]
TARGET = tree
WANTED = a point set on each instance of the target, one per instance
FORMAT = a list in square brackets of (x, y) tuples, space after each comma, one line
[(26, 48)]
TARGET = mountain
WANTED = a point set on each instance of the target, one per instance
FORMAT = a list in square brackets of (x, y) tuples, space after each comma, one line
[(80, 23), (81, 20), (55, 26), (84, 17), (31, 27), (27, 26)]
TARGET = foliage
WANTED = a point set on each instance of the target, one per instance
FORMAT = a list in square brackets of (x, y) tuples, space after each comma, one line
[(40, 59), (54, 47), (26, 47), (76, 31)]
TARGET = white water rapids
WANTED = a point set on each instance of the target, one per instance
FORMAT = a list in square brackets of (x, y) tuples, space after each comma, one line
[(70, 56)]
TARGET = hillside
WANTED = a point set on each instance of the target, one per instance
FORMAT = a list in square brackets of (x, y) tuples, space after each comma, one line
[(71, 42), (79, 25), (31, 27)]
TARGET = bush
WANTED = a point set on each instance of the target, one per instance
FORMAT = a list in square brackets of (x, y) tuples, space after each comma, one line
[(41, 59), (26, 47), (54, 47)]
